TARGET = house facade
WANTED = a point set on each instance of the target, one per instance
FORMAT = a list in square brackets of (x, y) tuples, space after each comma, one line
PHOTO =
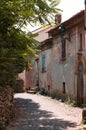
[(69, 58), (61, 66)]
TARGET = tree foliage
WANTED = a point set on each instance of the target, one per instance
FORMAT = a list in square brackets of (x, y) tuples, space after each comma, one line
[(17, 47)]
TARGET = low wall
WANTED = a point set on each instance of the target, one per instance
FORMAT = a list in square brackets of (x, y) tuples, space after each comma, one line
[(6, 105), (19, 86)]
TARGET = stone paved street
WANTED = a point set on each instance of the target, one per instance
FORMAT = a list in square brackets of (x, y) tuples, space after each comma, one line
[(36, 112)]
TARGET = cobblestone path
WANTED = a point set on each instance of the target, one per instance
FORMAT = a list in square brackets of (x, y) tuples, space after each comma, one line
[(36, 112)]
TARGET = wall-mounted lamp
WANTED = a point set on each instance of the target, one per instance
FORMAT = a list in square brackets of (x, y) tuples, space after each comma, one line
[(62, 30)]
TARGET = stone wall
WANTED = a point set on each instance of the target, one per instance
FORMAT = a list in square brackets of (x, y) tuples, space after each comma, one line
[(19, 86), (6, 105)]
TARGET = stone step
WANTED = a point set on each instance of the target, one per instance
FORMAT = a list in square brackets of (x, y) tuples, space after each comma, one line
[(31, 91)]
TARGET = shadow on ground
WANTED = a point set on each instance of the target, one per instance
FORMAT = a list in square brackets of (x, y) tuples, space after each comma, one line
[(29, 116)]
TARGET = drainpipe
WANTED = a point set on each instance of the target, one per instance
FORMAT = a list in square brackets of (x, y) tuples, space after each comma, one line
[(85, 52), (85, 17), (85, 24)]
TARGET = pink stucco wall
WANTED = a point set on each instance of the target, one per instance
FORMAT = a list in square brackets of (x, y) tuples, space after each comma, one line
[(58, 71), (23, 77)]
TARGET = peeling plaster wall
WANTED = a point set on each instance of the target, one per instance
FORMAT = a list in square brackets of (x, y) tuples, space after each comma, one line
[(32, 75), (21, 76), (58, 71), (64, 71), (29, 78), (45, 77)]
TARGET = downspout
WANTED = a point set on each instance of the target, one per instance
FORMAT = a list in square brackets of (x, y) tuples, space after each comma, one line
[(85, 15), (85, 53), (85, 23)]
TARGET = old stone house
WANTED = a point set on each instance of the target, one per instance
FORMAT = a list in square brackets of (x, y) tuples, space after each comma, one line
[(61, 66), (69, 59)]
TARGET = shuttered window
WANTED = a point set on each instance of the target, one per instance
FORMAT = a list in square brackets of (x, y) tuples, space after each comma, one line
[(63, 49), (80, 42), (43, 63)]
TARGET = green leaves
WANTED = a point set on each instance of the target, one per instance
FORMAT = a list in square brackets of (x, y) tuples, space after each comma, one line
[(16, 51), (16, 47)]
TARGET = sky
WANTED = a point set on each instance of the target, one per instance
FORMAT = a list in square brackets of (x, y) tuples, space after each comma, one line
[(70, 7)]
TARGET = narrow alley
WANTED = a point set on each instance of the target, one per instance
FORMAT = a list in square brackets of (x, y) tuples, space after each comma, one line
[(36, 112)]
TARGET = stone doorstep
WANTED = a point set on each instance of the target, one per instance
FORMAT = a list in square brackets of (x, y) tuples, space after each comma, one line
[(31, 92)]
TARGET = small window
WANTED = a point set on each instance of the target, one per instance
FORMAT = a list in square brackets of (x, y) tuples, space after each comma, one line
[(64, 91), (80, 42), (43, 63), (63, 49), (48, 87)]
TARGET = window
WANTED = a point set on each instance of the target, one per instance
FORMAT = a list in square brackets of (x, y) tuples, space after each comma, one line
[(80, 42), (64, 91), (63, 49), (43, 63), (48, 87)]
